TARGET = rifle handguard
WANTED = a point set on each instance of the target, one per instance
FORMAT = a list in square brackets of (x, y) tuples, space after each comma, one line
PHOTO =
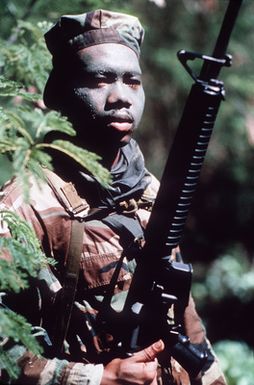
[(191, 358)]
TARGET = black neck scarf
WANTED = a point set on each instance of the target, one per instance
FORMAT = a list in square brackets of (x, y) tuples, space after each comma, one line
[(129, 180)]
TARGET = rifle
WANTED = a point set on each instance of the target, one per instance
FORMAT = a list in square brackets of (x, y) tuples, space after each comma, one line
[(159, 282)]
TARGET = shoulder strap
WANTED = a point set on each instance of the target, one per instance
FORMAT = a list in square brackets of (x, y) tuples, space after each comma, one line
[(69, 285), (77, 208), (67, 195)]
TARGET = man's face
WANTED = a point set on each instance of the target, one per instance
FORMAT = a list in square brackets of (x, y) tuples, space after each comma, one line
[(107, 98)]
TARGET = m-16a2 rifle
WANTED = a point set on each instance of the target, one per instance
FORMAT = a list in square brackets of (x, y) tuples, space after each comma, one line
[(159, 282)]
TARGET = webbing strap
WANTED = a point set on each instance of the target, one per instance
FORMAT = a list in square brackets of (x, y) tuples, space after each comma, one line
[(67, 195), (77, 209), (69, 285), (128, 228)]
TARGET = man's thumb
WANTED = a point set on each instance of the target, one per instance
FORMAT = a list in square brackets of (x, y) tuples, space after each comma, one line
[(149, 353)]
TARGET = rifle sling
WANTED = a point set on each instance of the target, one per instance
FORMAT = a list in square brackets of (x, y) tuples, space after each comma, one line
[(70, 284)]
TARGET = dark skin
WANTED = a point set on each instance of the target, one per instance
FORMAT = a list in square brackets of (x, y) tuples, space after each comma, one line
[(105, 102), (105, 98)]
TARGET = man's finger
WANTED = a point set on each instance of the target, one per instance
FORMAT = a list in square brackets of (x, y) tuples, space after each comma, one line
[(149, 353)]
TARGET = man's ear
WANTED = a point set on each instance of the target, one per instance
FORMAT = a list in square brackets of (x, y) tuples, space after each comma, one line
[(55, 93)]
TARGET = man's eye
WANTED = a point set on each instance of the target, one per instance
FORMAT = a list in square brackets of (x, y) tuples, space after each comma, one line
[(101, 80), (133, 83), (94, 81)]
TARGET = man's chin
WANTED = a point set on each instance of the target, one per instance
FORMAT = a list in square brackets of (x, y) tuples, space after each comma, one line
[(110, 138), (125, 140)]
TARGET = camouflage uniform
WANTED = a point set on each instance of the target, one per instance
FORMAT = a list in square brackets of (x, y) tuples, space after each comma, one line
[(102, 253), (104, 250)]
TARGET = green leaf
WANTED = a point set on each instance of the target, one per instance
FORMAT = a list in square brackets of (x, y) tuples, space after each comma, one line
[(17, 328), (85, 158), (10, 278), (16, 337), (237, 361), (53, 121), (7, 145), (8, 87), (7, 363), (38, 159), (12, 121), (12, 88), (24, 248), (26, 58), (39, 122)]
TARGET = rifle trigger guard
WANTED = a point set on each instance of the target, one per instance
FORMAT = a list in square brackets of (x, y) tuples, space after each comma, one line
[(185, 56)]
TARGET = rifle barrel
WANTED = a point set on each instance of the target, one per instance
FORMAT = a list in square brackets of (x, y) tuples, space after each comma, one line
[(211, 70)]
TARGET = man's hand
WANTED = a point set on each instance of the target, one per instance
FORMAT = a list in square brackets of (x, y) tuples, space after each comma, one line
[(139, 369)]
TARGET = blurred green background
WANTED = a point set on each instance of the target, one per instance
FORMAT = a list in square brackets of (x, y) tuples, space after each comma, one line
[(218, 239)]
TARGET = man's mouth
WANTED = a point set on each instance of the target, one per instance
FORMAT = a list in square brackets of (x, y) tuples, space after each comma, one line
[(122, 123)]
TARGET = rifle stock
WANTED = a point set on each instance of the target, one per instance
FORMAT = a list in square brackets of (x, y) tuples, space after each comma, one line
[(158, 283)]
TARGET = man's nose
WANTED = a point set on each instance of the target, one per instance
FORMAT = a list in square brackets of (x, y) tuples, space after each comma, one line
[(118, 95)]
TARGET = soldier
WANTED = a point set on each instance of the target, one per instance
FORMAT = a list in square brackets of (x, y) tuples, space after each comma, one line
[(96, 83)]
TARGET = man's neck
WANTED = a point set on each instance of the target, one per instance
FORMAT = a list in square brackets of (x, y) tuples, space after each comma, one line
[(110, 158), (108, 152)]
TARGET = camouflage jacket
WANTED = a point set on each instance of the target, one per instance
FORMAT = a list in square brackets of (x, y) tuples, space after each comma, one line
[(102, 251)]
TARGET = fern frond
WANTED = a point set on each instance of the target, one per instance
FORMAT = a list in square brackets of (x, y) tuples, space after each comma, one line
[(7, 146), (85, 158), (7, 363), (16, 327), (19, 336), (27, 58), (24, 249), (10, 278), (12, 88), (13, 122), (40, 123), (8, 87)]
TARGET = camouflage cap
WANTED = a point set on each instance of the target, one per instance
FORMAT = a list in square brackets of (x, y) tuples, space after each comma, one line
[(74, 32)]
